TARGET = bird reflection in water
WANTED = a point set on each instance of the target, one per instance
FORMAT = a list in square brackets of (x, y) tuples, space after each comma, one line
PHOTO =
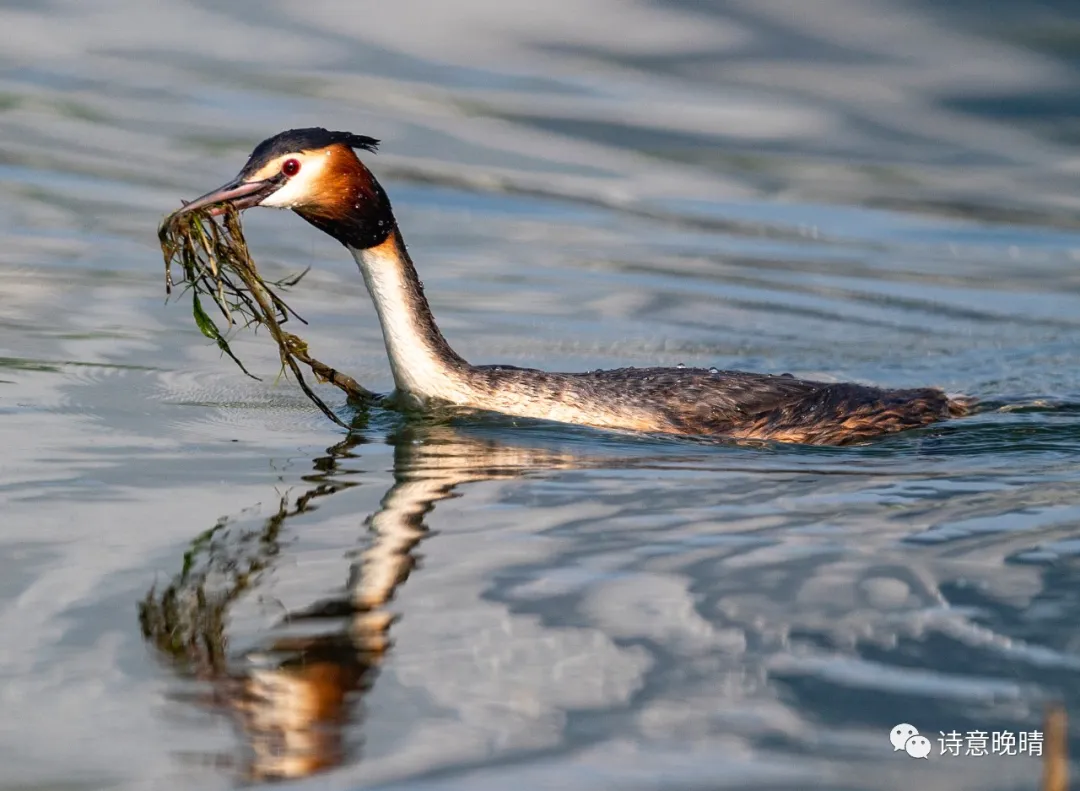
[(294, 696)]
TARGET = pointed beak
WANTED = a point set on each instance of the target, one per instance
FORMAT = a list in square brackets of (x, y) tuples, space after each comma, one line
[(241, 194)]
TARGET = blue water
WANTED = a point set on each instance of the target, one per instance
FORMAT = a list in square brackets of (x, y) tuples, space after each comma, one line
[(205, 583)]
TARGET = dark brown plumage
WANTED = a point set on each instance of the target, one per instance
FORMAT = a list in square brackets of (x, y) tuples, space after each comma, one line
[(736, 404)]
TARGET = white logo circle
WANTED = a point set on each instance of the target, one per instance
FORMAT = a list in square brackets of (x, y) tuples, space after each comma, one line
[(917, 746), (900, 734)]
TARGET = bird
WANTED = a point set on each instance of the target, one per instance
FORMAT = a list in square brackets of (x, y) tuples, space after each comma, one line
[(317, 174)]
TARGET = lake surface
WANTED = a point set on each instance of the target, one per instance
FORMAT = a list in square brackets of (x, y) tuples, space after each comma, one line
[(205, 583)]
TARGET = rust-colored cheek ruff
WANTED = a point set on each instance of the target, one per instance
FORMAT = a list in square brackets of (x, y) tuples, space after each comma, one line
[(347, 202)]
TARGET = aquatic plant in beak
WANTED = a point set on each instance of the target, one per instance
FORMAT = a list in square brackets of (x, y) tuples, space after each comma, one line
[(206, 241)]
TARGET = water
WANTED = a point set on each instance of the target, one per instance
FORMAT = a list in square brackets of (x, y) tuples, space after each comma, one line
[(874, 191)]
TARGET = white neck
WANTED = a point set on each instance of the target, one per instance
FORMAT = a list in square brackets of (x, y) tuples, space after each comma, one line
[(422, 362)]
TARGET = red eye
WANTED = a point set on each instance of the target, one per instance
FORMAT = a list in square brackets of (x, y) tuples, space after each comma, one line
[(290, 167)]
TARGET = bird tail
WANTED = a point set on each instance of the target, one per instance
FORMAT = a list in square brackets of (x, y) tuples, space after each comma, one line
[(960, 405)]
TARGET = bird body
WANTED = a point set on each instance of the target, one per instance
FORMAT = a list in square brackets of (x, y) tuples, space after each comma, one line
[(317, 174)]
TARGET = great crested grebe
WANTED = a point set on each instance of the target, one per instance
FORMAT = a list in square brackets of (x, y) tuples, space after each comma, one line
[(316, 173)]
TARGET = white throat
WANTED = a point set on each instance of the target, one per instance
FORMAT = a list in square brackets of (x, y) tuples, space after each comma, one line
[(418, 368)]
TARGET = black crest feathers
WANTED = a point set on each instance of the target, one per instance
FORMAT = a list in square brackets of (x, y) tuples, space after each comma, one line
[(295, 140)]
